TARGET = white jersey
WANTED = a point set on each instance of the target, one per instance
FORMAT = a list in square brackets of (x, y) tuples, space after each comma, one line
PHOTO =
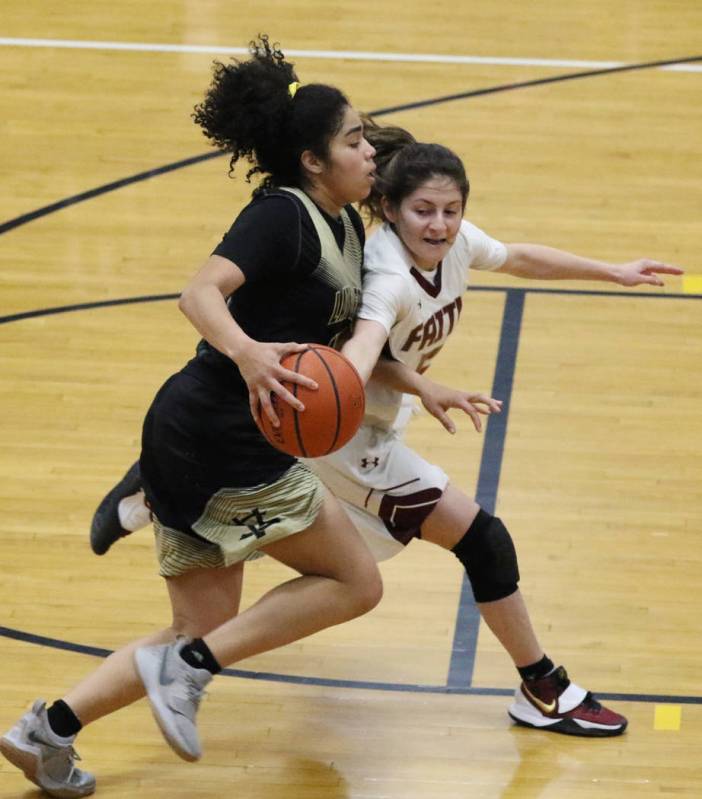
[(388, 489), (418, 309)]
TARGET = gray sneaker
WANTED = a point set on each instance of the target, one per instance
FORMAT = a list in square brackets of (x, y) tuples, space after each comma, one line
[(45, 758), (175, 689)]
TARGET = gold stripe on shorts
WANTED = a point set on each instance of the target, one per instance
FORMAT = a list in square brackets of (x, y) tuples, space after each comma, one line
[(178, 552), (237, 522)]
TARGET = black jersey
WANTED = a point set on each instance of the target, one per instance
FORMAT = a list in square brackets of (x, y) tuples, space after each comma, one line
[(286, 297), (302, 284)]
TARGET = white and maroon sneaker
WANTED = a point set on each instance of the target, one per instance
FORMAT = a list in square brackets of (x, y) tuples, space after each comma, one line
[(556, 704)]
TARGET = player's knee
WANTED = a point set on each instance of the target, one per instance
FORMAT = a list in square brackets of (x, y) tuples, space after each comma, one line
[(367, 592), (372, 592), (487, 552)]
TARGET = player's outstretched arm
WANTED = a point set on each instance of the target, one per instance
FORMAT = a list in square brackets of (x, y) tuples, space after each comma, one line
[(538, 262)]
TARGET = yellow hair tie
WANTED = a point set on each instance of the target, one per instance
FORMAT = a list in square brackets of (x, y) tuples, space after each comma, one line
[(292, 89)]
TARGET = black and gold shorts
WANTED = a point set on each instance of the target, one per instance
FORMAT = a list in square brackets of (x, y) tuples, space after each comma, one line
[(237, 522)]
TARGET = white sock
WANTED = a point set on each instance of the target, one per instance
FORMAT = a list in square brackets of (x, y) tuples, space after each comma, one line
[(133, 513)]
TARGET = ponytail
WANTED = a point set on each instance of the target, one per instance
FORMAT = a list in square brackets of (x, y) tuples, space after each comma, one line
[(251, 112)]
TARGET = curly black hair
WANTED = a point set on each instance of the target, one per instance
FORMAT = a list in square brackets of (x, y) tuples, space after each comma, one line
[(248, 111), (402, 165)]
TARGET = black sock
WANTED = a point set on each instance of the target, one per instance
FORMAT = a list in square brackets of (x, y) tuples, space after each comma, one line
[(62, 720), (198, 655), (537, 670)]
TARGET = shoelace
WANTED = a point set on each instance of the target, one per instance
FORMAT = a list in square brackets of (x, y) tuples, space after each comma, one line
[(65, 753), (194, 691), (591, 703)]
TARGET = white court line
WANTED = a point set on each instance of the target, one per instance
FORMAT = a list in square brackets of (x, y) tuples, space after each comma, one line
[(353, 55)]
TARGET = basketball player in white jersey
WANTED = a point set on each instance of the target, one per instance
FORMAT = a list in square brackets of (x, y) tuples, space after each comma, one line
[(416, 271), (417, 268)]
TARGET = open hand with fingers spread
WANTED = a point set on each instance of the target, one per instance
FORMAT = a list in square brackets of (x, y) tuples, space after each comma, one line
[(264, 375), (645, 271), (438, 399)]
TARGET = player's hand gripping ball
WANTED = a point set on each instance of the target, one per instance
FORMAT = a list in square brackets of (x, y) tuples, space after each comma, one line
[(333, 413)]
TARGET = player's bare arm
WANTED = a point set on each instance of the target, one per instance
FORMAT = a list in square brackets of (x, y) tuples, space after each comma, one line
[(204, 303), (538, 262)]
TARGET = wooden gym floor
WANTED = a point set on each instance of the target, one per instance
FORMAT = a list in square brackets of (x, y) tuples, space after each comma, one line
[(107, 208)]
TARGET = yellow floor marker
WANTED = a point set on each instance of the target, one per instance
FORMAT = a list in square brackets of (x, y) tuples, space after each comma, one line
[(692, 284), (667, 717)]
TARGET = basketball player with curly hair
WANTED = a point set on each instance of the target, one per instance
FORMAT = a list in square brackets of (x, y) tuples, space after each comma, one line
[(288, 270)]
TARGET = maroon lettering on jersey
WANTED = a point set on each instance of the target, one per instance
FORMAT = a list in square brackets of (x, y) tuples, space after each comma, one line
[(425, 361), (415, 335), (455, 307), (432, 330)]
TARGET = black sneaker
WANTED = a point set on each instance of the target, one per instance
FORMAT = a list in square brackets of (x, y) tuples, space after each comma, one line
[(106, 528)]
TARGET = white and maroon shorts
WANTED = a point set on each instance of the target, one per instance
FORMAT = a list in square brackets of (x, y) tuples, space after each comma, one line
[(387, 489)]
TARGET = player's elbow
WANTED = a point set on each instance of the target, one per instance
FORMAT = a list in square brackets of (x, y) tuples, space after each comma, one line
[(186, 301)]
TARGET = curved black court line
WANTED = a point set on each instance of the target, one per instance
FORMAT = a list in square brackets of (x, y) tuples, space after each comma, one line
[(466, 630), (85, 306), (466, 627), (505, 87), (104, 189), (467, 621), (118, 184), (325, 682)]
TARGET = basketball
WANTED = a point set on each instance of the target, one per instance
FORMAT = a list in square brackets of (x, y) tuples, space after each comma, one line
[(332, 413)]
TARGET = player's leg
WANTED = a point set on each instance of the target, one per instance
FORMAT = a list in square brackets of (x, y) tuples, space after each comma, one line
[(546, 699), (506, 616), (338, 581), (201, 600), (41, 743)]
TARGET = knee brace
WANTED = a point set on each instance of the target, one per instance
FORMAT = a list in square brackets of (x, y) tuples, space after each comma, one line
[(490, 560)]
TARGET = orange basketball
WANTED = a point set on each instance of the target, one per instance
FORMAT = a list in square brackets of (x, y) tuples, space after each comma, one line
[(332, 413)]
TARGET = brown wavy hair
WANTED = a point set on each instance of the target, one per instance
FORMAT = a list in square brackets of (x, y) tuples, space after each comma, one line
[(403, 164)]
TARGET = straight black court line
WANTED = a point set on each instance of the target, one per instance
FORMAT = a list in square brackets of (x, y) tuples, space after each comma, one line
[(465, 637), (87, 306), (646, 295), (324, 682)]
